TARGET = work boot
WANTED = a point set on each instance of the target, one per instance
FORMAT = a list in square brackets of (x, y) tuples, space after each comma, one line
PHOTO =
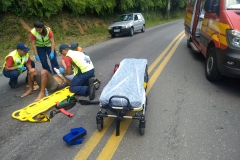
[(13, 86), (91, 89)]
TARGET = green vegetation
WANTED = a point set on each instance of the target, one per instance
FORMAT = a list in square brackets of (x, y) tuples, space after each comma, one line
[(83, 21), (46, 8)]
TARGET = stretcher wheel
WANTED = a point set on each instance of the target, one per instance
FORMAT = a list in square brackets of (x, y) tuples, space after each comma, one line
[(142, 126), (141, 131), (100, 127), (99, 122)]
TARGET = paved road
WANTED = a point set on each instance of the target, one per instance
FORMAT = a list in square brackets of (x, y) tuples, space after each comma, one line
[(188, 118)]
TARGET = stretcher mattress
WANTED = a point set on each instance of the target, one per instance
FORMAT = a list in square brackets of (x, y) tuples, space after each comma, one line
[(127, 81)]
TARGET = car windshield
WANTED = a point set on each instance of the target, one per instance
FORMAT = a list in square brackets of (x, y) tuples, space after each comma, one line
[(233, 4), (125, 17)]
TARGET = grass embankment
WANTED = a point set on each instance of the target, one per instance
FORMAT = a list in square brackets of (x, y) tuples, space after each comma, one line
[(84, 30)]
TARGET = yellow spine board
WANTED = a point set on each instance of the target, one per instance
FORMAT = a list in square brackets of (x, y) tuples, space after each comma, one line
[(29, 112)]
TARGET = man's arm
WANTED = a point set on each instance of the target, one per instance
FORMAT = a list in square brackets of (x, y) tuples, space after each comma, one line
[(34, 47), (51, 37), (28, 64), (10, 68), (52, 44), (68, 62), (68, 71), (9, 63), (66, 80), (33, 41), (63, 63), (61, 78)]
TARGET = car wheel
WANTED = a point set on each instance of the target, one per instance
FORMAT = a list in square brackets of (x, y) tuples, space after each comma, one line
[(143, 28), (211, 70), (113, 35), (131, 31)]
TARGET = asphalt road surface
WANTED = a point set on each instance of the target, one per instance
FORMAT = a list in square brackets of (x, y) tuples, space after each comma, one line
[(187, 117)]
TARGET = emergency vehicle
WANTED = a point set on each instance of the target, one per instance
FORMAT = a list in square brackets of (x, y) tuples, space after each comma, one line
[(212, 27)]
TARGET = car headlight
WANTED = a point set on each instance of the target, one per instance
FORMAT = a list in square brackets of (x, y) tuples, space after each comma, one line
[(233, 38), (109, 27), (127, 26)]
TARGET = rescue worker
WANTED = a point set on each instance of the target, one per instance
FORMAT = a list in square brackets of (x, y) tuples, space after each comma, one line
[(16, 63), (81, 66), (73, 46), (43, 44)]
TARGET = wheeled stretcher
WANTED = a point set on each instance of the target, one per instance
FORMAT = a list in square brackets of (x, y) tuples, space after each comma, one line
[(126, 91)]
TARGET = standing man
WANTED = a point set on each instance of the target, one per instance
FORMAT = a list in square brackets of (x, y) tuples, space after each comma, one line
[(81, 66), (43, 45), (16, 63)]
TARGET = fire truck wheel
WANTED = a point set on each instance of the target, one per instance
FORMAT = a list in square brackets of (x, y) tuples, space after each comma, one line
[(211, 70), (188, 43)]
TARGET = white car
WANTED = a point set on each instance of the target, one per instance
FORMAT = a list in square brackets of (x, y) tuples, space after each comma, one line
[(127, 24)]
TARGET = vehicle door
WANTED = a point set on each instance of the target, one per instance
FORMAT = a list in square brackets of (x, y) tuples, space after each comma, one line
[(136, 22), (193, 3), (140, 20), (212, 25), (193, 12)]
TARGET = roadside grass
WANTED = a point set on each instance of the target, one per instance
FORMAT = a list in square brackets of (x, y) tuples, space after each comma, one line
[(66, 28), (156, 18)]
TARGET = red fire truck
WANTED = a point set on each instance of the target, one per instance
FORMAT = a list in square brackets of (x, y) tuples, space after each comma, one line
[(212, 27)]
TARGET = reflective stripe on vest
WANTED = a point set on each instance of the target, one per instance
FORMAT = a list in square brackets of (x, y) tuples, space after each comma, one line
[(40, 40), (18, 61), (82, 61), (75, 70)]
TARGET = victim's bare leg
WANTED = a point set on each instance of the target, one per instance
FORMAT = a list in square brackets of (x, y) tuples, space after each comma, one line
[(31, 73), (44, 81)]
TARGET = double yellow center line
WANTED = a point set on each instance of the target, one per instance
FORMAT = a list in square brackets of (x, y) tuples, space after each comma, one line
[(113, 142)]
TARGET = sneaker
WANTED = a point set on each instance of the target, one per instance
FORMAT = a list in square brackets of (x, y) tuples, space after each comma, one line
[(12, 85), (91, 89), (15, 86)]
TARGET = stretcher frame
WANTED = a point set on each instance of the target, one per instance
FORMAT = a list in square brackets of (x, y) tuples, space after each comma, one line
[(119, 112)]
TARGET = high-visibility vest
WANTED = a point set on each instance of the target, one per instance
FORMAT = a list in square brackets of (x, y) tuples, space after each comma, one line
[(18, 61), (81, 61), (40, 40)]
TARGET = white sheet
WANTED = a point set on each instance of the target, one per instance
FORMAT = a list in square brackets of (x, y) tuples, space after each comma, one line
[(127, 81)]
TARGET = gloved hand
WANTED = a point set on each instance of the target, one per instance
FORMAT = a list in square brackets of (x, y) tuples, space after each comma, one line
[(61, 70), (22, 68), (37, 57), (51, 55)]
